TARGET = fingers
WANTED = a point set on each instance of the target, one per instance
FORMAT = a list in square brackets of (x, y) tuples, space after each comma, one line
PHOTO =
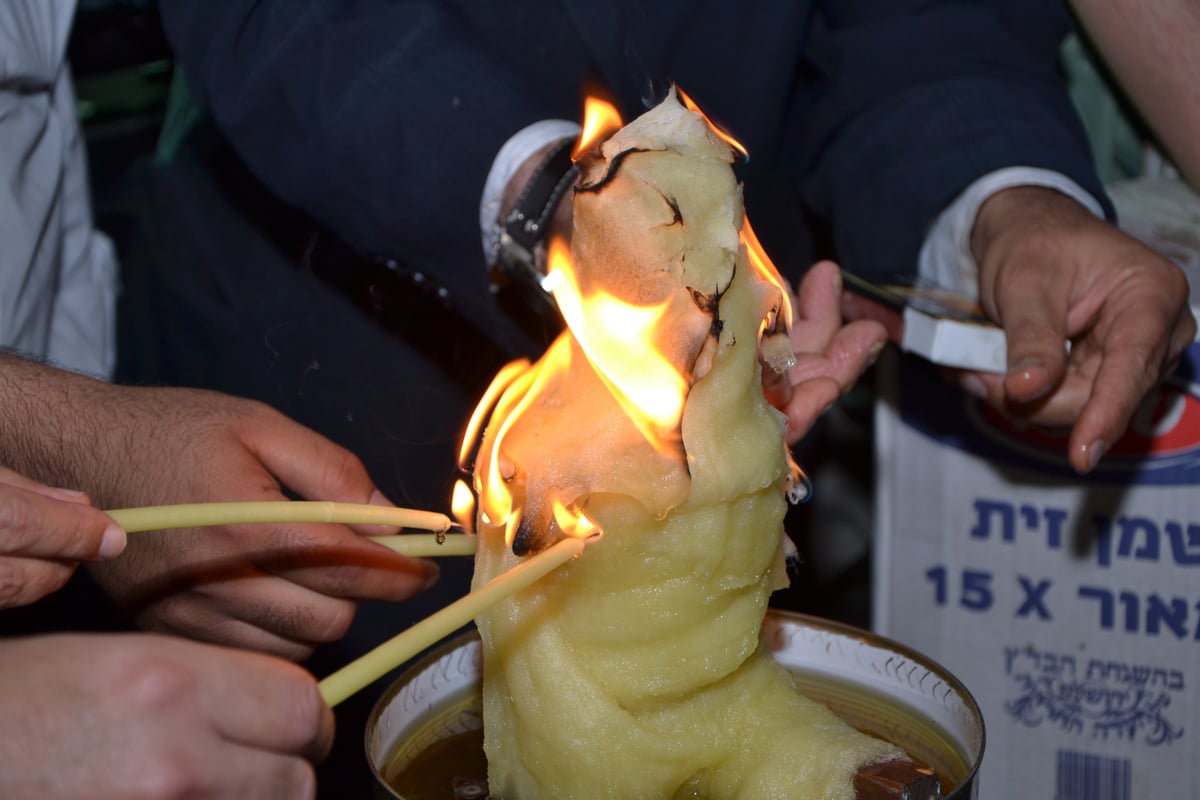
[(255, 612), (1033, 314), (16, 479), (27, 580), (307, 462), (830, 355), (1138, 355), (282, 710), (37, 525), (807, 406)]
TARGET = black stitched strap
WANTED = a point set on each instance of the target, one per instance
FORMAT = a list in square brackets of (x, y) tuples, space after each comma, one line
[(526, 222)]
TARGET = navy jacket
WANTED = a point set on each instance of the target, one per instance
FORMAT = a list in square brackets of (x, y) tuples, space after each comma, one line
[(863, 118)]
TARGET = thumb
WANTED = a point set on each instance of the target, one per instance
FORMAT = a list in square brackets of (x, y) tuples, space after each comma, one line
[(1034, 317), (35, 525)]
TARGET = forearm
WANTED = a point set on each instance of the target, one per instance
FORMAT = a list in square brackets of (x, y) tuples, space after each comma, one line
[(61, 428), (1150, 45)]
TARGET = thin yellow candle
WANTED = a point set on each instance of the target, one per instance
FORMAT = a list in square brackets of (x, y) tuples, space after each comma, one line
[(360, 673), (428, 545), (196, 515)]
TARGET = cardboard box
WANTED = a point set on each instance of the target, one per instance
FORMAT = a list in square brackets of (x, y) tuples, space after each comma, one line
[(1069, 607)]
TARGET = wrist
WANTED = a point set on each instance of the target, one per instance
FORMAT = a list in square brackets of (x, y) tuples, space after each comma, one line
[(1025, 209), (534, 206)]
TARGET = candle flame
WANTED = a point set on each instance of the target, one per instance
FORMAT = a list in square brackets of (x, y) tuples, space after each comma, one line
[(504, 378), (462, 505), (690, 104), (574, 523), (767, 271), (616, 337), (600, 120), (616, 340)]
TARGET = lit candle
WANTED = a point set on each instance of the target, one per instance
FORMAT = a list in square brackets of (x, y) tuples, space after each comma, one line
[(363, 671), (197, 515)]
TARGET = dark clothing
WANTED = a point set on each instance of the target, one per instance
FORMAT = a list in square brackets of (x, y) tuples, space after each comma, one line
[(344, 127), (380, 120)]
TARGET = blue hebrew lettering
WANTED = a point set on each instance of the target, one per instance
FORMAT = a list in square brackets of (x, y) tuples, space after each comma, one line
[(1130, 527), (985, 508), (1173, 616), (1185, 547), (1115, 699), (1106, 604)]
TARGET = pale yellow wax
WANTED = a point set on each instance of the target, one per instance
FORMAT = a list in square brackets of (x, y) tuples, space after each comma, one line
[(361, 672), (196, 515)]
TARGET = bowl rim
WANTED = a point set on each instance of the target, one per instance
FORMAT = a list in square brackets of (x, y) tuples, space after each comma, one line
[(809, 621)]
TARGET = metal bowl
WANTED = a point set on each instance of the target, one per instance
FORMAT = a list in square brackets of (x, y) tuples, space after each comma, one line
[(875, 684)]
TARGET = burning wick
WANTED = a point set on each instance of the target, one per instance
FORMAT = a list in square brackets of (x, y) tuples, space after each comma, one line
[(198, 515), (362, 672)]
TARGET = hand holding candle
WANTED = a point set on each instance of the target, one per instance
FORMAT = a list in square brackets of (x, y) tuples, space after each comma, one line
[(278, 587), (46, 532), (194, 515)]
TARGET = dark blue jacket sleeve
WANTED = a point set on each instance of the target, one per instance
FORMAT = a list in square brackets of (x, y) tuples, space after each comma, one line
[(913, 100), (378, 120)]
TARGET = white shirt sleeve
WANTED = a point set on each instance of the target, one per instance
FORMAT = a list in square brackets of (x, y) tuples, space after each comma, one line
[(945, 256), (512, 155)]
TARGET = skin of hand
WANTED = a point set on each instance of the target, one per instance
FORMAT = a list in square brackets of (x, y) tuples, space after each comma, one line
[(1049, 272), (44, 533), (148, 716), (281, 589), (1150, 47), (830, 355)]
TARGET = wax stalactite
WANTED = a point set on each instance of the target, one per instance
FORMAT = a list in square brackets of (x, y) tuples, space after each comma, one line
[(637, 670)]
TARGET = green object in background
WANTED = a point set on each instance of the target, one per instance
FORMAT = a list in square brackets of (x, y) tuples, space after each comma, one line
[(123, 92), (1116, 133), (180, 117)]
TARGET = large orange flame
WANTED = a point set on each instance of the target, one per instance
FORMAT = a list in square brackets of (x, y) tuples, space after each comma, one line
[(616, 337)]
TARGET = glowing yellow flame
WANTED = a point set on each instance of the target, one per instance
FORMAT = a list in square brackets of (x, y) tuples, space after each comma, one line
[(507, 374), (616, 337), (766, 269), (572, 523), (690, 104), (462, 505), (600, 120), (496, 498)]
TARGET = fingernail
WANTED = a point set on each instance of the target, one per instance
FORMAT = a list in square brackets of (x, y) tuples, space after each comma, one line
[(974, 386), (1094, 452), (112, 543), (873, 354), (377, 499), (68, 495), (432, 572), (1024, 366)]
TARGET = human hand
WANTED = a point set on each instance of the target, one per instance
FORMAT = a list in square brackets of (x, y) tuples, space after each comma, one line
[(141, 715), (830, 354), (44, 533), (1049, 271), (281, 589)]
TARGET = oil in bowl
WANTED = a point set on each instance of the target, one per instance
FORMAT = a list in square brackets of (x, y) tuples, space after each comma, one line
[(424, 739)]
